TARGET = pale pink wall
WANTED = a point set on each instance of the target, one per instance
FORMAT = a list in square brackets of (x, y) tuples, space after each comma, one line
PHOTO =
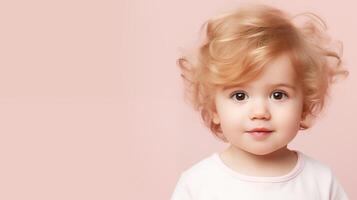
[(91, 100)]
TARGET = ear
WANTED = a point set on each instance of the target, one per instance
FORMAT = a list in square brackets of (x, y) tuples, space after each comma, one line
[(215, 118), (304, 122)]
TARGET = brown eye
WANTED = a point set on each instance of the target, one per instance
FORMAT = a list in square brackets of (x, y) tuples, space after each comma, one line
[(278, 95), (240, 96)]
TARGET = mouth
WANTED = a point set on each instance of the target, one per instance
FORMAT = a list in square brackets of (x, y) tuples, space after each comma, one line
[(260, 133), (260, 130)]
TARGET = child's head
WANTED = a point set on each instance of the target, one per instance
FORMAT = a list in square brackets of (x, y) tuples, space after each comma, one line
[(270, 105), (253, 48)]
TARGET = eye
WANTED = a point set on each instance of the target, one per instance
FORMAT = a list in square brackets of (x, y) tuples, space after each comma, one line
[(240, 96), (278, 95)]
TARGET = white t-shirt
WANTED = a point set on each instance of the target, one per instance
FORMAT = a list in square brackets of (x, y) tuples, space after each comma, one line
[(212, 179)]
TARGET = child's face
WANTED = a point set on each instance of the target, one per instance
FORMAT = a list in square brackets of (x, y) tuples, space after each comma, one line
[(272, 101)]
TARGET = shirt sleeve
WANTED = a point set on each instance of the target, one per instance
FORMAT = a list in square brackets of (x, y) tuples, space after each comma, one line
[(337, 192), (181, 191)]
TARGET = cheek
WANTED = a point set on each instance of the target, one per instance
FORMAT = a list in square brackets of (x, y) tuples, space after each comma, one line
[(231, 119), (290, 115)]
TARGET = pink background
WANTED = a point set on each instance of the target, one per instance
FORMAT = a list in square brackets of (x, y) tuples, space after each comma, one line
[(91, 101)]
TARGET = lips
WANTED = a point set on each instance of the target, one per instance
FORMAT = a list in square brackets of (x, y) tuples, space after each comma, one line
[(260, 133), (260, 130)]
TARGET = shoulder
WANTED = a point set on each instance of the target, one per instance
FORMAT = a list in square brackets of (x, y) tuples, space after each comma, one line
[(202, 170), (317, 173), (315, 166), (197, 179), (323, 177)]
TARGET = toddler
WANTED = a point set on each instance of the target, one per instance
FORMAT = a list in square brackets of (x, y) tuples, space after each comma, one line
[(257, 80)]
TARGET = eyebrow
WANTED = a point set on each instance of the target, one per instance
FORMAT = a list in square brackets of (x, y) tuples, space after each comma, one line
[(272, 85)]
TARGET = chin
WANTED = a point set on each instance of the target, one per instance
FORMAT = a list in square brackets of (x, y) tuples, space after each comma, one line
[(262, 152)]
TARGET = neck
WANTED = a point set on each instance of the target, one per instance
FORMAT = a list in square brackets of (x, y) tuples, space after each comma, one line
[(276, 163), (274, 156)]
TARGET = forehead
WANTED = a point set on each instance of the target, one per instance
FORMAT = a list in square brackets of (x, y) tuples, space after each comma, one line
[(279, 71)]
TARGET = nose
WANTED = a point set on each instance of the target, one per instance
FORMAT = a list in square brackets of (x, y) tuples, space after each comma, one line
[(260, 110)]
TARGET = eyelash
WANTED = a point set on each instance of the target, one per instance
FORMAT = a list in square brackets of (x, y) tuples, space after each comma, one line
[(276, 91)]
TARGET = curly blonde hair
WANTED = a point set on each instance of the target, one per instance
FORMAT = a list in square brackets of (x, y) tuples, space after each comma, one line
[(240, 42)]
